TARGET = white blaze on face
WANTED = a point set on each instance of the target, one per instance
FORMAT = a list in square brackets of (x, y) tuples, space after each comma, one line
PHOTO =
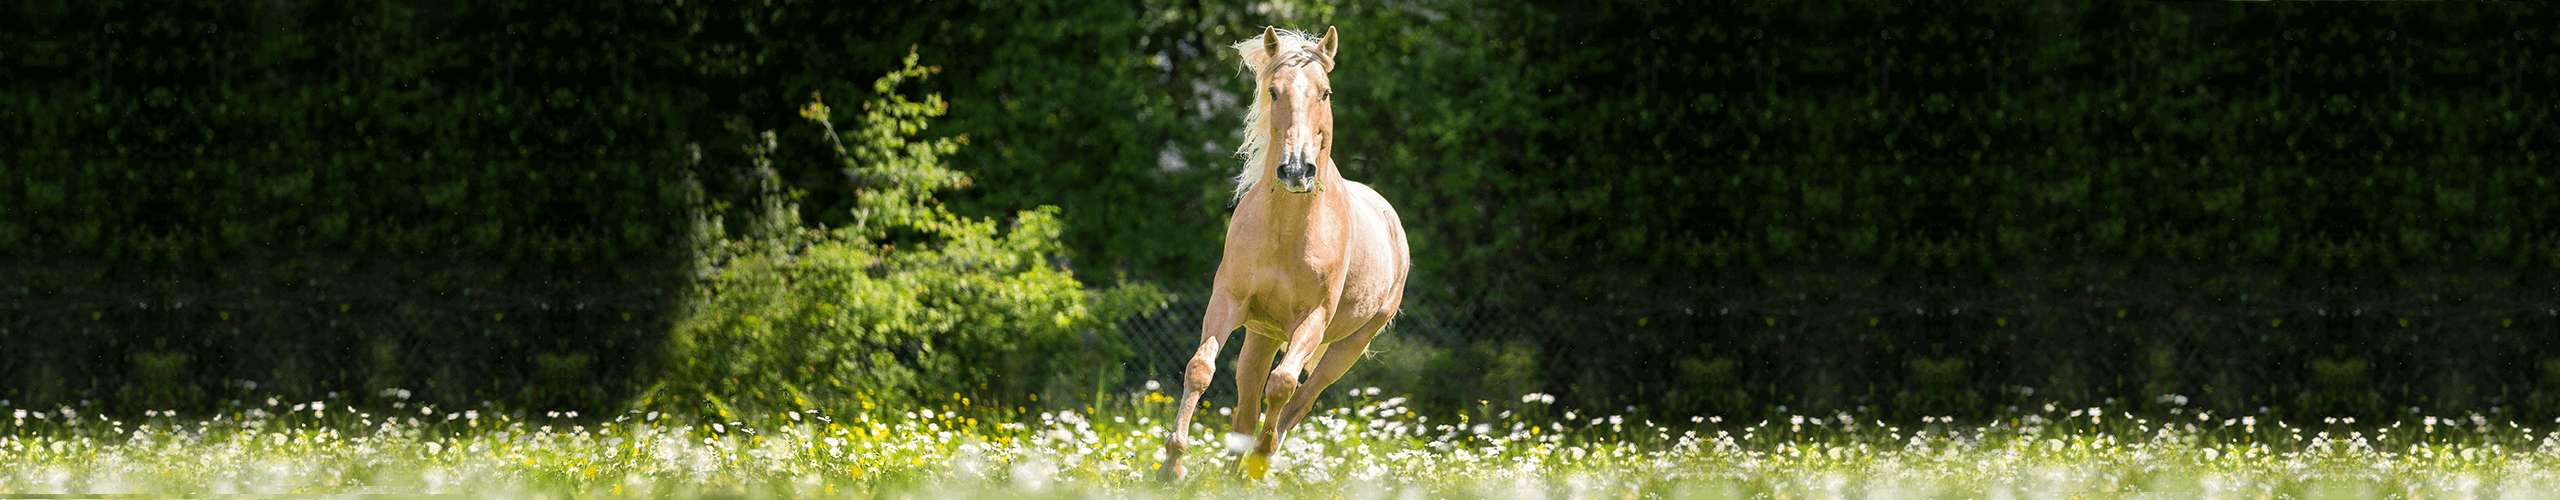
[(1300, 140)]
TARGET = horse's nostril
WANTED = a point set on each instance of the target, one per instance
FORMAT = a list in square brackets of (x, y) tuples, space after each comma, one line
[(1296, 171)]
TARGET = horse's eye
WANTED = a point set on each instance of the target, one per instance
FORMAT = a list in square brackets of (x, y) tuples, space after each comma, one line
[(1275, 94), (1328, 95)]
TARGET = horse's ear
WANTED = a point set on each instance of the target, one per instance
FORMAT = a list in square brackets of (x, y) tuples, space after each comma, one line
[(1331, 43), (1270, 42)]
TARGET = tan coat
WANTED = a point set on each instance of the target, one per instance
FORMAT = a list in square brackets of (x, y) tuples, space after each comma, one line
[(1314, 266)]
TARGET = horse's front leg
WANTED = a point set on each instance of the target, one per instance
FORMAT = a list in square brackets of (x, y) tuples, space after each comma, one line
[(1306, 339), (1223, 314), (1253, 365)]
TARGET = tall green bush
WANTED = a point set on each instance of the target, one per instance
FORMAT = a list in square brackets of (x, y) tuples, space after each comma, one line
[(910, 303)]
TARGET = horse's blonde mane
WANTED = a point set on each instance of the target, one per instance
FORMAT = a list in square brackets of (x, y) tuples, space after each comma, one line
[(1257, 119)]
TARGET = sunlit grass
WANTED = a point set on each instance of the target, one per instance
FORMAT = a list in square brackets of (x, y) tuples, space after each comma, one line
[(1367, 445)]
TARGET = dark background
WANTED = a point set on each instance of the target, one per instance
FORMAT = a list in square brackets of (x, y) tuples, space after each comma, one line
[(1918, 208)]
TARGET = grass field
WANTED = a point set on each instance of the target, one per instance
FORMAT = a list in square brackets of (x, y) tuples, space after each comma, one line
[(1366, 445)]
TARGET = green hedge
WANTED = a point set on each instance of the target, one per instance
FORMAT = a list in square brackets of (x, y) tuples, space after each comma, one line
[(1699, 206), (473, 202)]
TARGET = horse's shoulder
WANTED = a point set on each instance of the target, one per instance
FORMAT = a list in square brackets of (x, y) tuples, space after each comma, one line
[(1363, 194), (1365, 198), (1358, 187)]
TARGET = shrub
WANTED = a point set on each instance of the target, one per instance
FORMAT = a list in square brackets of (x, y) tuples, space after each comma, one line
[(911, 303)]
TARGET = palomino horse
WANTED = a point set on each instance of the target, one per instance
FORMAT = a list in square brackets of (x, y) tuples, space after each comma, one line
[(1314, 265)]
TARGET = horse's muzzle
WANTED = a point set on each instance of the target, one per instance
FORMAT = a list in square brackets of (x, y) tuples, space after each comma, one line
[(1297, 176)]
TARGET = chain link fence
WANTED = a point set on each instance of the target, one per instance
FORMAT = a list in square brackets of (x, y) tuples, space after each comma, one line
[(1161, 343)]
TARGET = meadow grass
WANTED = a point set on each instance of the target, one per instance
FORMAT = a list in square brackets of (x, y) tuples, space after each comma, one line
[(1366, 446)]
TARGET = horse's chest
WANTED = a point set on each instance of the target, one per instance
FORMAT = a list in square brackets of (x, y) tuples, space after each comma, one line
[(1285, 267), (1295, 283)]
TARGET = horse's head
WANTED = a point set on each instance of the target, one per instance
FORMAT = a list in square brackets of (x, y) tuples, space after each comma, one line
[(1292, 134)]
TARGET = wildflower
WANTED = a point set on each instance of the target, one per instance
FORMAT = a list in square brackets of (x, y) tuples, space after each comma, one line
[(1153, 386), (1238, 442)]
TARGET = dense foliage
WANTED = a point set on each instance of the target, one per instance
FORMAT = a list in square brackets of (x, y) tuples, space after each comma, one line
[(909, 303), (1721, 207), (477, 202)]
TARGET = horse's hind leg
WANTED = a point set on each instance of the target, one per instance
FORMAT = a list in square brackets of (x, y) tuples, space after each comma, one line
[(1336, 361), (1223, 314)]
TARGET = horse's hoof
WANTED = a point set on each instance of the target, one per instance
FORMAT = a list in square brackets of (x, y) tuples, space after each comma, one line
[(1256, 466), (1170, 472)]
